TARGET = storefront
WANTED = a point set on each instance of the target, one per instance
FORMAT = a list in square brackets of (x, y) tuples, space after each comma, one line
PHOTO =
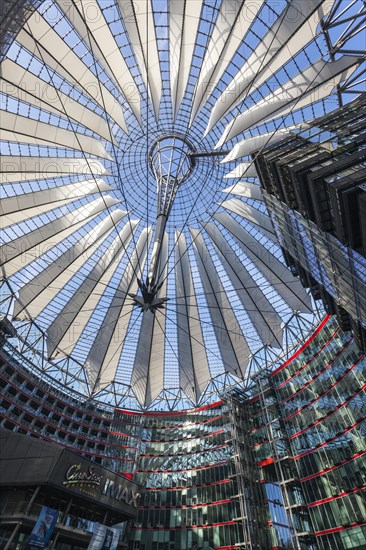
[(37, 476)]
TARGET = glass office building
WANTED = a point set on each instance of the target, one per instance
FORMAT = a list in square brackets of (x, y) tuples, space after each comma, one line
[(280, 464), (182, 254), (199, 487), (308, 435), (315, 190)]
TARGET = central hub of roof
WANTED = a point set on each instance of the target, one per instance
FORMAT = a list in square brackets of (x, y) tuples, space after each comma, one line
[(171, 160)]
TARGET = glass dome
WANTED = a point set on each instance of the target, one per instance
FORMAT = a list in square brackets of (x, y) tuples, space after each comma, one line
[(140, 266)]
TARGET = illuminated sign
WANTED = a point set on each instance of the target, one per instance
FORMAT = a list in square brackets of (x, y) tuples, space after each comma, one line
[(121, 492), (77, 477), (99, 484)]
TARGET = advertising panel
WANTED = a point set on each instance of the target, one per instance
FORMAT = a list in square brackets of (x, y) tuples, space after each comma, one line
[(104, 538), (43, 528)]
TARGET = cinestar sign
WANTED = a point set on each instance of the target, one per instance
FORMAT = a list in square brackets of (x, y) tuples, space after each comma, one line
[(75, 476), (120, 492)]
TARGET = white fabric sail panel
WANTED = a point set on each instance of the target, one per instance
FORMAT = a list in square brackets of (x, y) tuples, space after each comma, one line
[(88, 20), (266, 321), (291, 44), (13, 169), (250, 213), (194, 369), (187, 380), (155, 379), (39, 38), (315, 83), (295, 28), (184, 19), (230, 339), (246, 169), (59, 336), (140, 25), (47, 294), (148, 372), (102, 360), (79, 322), (25, 86), (44, 286), (53, 229), (51, 196), (245, 189), (31, 214), (22, 129), (251, 145), (23, 208), (277, 274), (63, 140), (232, 24), (140, 373), (17, 263)]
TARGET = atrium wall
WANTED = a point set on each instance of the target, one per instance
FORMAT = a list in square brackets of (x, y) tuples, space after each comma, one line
[(308, 435), (198, 487), (279, 465), (32, 406)]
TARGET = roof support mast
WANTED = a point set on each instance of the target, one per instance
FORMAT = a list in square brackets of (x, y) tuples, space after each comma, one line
[(171, 161)]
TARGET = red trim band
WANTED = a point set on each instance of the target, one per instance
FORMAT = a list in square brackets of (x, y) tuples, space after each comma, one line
[(328, 365), (192, 453), (185, 507), (170, 427), (171, 413), (339, 528), (185, 470), (336, 497), (182, 487), (325, 417), (305, 453), (185, 527), (331, 468), (308, 341), (308, 363), (311, 403), (209, 434)]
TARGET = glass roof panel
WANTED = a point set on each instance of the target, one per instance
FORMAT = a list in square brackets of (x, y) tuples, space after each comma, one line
[(148, 272)]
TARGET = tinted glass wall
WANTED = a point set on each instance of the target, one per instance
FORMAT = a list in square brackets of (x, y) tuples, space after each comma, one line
[(309, 435), (197, 488), (279, 465)]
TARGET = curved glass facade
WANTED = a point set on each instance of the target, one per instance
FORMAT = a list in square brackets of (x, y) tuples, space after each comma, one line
[(197, 483), (280, 465), (309, 436), (35, 407)]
